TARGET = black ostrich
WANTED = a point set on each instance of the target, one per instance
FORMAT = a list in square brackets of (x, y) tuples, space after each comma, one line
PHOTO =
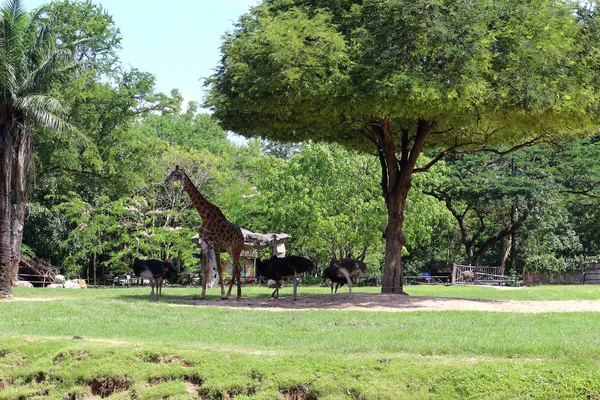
[(343, 271), (156, 271), (287, 267)]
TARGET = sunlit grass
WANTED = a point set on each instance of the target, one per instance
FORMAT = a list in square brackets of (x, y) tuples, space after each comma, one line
[(116, 339)]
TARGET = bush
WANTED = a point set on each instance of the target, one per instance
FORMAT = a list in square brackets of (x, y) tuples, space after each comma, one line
[(549, 262)]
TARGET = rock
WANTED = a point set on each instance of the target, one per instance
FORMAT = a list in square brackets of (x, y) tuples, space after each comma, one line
[(72, 285), (60, 279), (55, 286), (24, 284), (82, 283)]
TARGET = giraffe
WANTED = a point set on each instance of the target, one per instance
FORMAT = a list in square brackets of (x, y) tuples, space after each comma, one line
[(220, 234)]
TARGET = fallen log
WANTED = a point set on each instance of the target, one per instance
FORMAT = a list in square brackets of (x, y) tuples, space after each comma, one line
[(37, 271)]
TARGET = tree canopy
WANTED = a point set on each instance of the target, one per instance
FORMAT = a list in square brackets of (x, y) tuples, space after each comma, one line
[(395, 77), (293, 70)]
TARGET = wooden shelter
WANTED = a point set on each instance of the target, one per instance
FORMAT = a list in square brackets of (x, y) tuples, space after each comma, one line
[(253, 243)]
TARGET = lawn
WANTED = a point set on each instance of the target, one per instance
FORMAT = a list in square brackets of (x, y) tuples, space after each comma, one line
[(114, 342)]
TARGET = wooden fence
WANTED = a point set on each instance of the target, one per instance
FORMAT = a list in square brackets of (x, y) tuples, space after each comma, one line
[(480, 275), (590, 276)]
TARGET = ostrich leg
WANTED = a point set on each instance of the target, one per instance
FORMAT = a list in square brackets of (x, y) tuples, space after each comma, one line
[(295, 283)]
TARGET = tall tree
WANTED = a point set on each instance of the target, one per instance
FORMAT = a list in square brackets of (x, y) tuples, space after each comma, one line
[(395, 77), (578, 173), (75, 21), (491, 197), (30, 64)]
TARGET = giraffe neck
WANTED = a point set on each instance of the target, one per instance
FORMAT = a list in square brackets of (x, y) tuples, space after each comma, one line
[(203, 206)]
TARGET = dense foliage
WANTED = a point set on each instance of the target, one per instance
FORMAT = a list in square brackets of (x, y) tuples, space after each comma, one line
[(395, 78), (95, 192)]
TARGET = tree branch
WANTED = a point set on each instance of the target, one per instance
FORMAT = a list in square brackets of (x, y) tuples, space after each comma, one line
[(582, 193), (455, 147)]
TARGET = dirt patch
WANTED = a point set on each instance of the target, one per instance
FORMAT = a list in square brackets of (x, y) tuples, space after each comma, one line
[(297, 393), (400, 303), (388, 302), (164, 359), (106, 387), (29, 299)]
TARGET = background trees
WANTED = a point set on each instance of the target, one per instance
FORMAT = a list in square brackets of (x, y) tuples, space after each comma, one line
[(392, 77), (406, 84), (31, 64), (491, 197)]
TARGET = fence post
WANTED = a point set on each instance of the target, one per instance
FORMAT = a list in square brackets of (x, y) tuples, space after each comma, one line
[(453, 272)]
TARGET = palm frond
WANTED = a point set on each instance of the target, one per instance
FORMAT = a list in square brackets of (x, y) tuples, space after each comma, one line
[(42, 42), (37, 13), (51, 69), (49, 112), (13, 20), (13, 6), (30, 65)]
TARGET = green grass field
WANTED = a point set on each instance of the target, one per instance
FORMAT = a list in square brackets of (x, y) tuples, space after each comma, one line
[(100, 343)]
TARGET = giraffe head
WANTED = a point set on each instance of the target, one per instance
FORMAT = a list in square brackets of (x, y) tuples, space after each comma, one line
[(176, 175)]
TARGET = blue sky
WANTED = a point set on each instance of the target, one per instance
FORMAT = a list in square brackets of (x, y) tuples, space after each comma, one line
[(177, 41)]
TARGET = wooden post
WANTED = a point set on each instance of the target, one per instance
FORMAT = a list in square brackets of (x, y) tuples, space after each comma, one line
[(453, 273), (94, 262)]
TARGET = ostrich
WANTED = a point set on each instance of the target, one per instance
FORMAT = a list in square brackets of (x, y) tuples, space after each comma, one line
[(287, 267), (343, 271), (156, 271), (468, 276)]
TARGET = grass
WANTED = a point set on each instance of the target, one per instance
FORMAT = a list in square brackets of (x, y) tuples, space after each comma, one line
[(115, 342)]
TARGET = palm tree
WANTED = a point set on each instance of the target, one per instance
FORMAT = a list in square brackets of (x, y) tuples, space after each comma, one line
[(31, 63)]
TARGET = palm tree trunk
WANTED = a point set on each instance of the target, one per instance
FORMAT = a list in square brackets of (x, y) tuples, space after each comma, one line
[(6, 164), (19, 185)]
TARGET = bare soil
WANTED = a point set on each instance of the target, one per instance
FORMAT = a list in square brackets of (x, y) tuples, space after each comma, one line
[(400, 303), (386, 302)]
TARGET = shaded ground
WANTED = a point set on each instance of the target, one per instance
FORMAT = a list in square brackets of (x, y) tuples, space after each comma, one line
[(398, 303)]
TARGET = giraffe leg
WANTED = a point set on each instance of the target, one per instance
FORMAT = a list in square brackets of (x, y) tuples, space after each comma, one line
[(235, 274), (238, 276), (218, 260), (206, 272)]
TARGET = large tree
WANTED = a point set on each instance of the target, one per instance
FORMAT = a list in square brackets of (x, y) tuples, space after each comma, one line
[(30, 64), (491, 197), (393, 77)]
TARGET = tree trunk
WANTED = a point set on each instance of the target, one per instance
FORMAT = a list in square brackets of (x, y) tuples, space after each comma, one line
[(6, 164), (506, 232), (94, 263), (23, 161), (393, 272), (506, 248), (513, 251), (396, 180)]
